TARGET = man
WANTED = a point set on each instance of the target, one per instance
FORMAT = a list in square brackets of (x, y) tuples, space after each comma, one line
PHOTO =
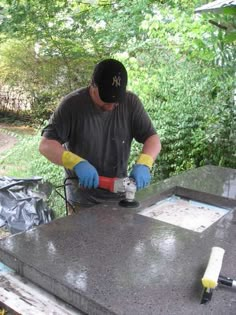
[(91, 131)]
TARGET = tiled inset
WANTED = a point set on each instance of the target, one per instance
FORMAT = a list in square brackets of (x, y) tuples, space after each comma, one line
[(186, 213)]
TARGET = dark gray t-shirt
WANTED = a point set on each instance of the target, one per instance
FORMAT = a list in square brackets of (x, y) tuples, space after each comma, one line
[(102, 138)]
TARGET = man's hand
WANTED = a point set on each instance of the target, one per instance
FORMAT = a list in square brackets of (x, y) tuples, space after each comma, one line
[(141, 174), (87, 174)]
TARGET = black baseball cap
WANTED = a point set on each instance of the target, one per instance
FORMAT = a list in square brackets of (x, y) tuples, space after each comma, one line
[(110, 76)]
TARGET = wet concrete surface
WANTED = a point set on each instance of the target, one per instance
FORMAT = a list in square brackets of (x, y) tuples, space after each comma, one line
[(111, 260)]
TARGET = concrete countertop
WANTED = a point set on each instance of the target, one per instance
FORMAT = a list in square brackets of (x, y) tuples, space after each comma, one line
[(111, 260)]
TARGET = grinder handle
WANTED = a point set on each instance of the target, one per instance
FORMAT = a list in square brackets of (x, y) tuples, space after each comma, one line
[(211, 275), (107, 183)]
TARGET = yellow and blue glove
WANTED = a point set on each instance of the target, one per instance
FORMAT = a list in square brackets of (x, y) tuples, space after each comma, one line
[(141, 171), (86, 172)]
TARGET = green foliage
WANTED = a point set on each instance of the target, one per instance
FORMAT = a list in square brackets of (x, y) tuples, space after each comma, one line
[(194, 118), (180, 65), (43, 79)]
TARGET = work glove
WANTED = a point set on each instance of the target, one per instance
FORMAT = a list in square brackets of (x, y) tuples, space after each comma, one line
[(86, 172), (141, 171)]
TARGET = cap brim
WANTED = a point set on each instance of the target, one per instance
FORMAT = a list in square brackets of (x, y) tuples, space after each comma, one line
[(111, 95)]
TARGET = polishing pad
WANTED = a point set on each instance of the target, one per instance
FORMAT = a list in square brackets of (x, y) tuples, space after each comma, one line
[(129, 204)]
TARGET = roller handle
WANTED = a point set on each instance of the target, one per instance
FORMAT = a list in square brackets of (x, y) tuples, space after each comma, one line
[(227, 281), (211, 275)]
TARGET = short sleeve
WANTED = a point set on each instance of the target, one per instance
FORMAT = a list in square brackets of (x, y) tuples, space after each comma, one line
[(58, 127)]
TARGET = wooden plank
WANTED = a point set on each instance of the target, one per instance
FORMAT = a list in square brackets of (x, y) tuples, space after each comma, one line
[(26, 298)]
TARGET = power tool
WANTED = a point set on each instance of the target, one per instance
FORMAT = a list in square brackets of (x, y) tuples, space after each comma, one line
[(121, 185), (124, 185), (212, 277)]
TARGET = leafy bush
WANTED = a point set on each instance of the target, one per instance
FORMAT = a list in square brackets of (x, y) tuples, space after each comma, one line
[(193, 111)]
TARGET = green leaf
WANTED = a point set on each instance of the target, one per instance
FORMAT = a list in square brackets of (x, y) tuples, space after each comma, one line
[(230, 37), (229, 10)]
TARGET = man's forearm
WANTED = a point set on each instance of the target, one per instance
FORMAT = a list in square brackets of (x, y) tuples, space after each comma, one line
[(52, 150), (152, 146)]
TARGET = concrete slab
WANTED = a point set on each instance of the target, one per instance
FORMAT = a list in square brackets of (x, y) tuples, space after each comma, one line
[(112, 260)]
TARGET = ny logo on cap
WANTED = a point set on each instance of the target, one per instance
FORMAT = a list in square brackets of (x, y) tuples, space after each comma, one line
[(116, 81)]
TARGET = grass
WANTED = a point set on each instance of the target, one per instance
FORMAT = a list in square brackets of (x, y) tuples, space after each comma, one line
[(23, 160), (15, 162)]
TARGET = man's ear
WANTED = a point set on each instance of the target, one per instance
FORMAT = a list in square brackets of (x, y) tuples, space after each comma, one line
[(92, 83)]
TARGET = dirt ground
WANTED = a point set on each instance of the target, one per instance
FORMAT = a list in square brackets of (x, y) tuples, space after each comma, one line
[(6, 141)]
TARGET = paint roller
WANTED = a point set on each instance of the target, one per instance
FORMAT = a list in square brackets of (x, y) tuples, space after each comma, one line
[(212, 277)]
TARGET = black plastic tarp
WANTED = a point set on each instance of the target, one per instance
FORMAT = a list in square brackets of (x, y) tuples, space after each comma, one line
[(23, 203)]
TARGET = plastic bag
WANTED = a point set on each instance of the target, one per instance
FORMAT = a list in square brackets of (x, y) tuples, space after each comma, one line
[(23, 203)]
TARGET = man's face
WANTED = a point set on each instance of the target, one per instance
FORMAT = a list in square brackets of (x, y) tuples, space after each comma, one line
[(102, 105)]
